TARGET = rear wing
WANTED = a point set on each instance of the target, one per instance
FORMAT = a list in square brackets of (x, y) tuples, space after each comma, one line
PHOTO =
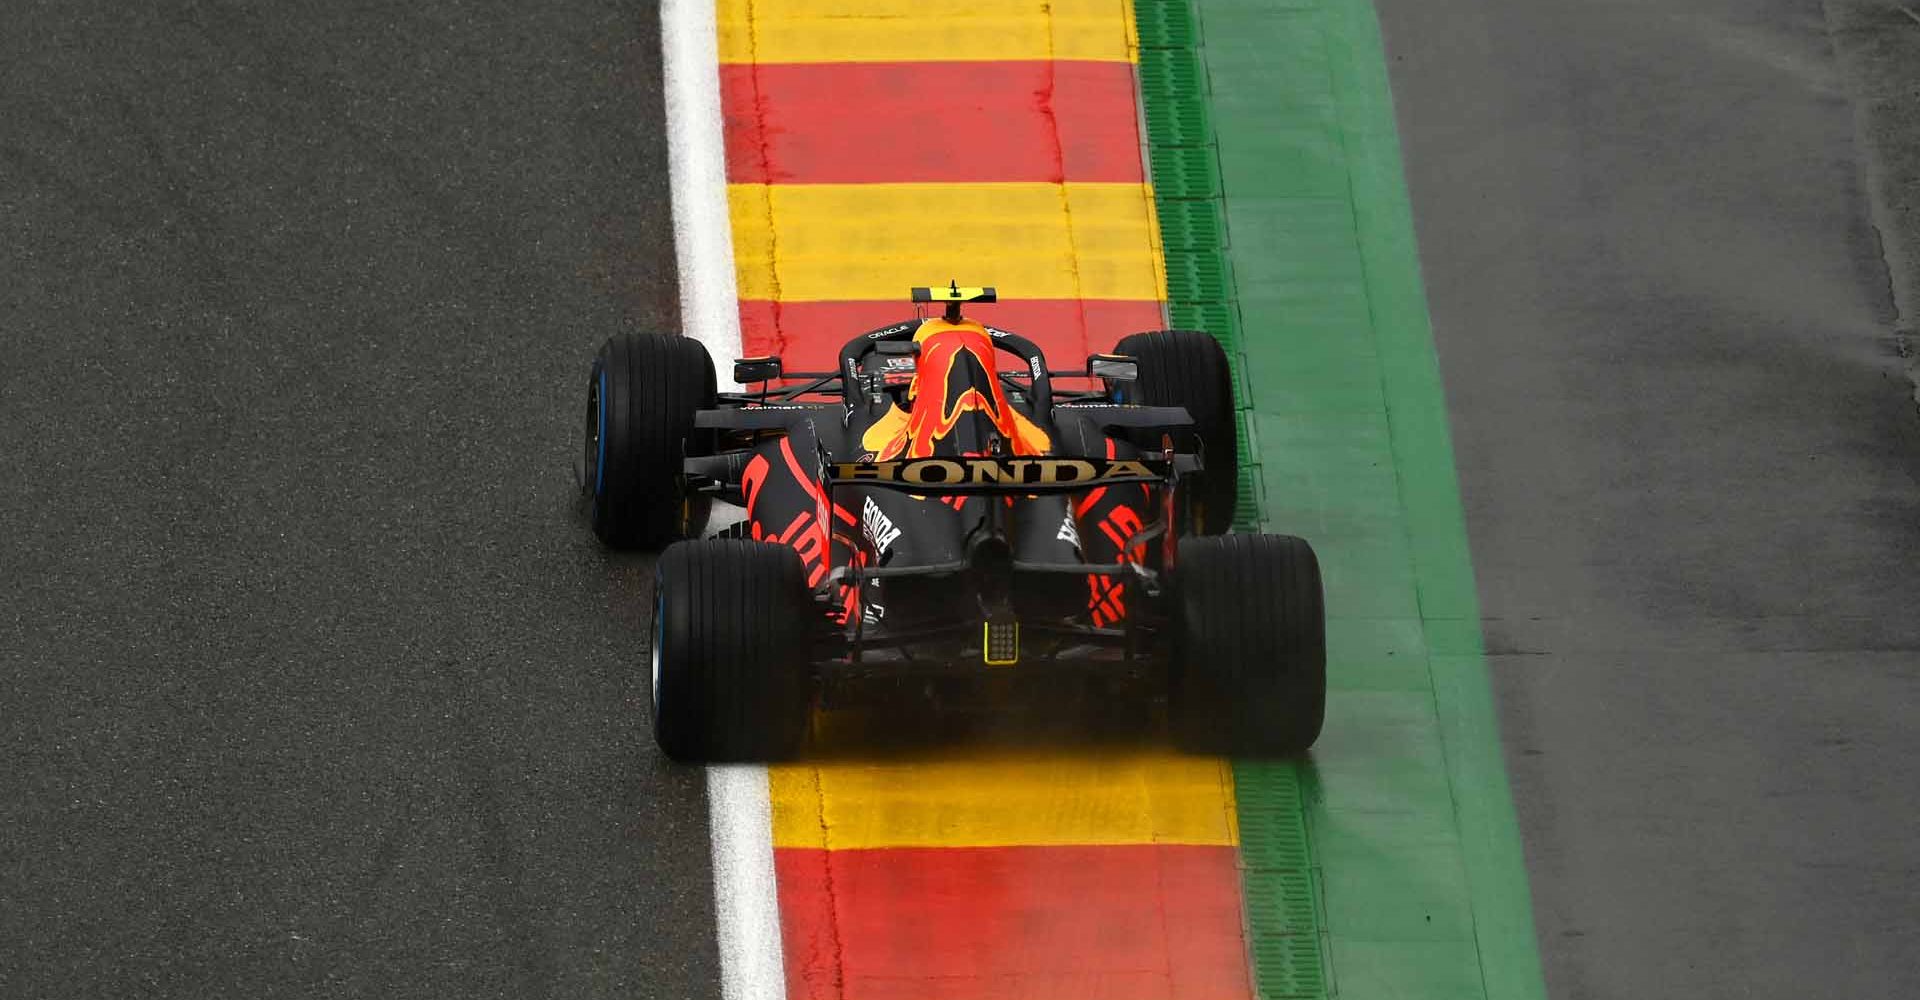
[(1023, 476)]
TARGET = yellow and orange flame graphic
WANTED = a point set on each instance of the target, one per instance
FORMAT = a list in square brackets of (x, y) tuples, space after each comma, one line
[(955, 377)]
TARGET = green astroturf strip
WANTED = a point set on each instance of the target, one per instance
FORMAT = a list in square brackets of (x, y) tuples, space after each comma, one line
[(1389, 864)]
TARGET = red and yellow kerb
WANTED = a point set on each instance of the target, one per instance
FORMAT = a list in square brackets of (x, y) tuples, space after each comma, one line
[(894, 143)]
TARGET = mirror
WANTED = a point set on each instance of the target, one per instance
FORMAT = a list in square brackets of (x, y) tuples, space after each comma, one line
[(756, 369), (1113, 367)]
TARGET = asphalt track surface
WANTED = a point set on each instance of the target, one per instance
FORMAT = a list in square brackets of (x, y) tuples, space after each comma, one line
[(314, 681), (316, 685), (1690, 462)]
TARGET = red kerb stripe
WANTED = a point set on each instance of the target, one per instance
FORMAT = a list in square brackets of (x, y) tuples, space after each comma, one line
[(1145, 922), (808, 335), (943, 121)]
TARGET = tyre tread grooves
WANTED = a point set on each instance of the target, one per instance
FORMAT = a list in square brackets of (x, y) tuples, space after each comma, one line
[(655, 385), (1250, 650), (1184, 368), (738, 616)]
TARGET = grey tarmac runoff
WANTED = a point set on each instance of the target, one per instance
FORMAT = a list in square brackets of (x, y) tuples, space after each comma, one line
[(315, 681), (1690, 460)]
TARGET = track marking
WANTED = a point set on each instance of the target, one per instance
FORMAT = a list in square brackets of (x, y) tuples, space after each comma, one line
[(745, 897), (832, 31), (1075, 800), (697, 173), (838, 242), (746, 901), (997, 122)]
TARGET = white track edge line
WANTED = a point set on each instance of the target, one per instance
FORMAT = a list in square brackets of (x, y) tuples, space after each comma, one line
[(697, 172), (746, 901)]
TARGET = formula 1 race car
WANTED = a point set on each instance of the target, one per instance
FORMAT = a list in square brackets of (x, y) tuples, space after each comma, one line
[(924, 511)]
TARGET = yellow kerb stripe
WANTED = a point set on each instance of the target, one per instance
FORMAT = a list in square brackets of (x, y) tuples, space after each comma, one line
[(798, 31), (1051, 800), (824, 242)]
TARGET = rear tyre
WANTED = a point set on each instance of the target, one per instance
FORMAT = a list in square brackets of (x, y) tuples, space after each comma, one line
[(732, 626), (1249, 667), (1189, 368), (641, 401)]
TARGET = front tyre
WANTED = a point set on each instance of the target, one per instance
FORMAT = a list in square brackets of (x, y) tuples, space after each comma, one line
[(1189, 368), (1249, 669), (732, 628), (641, 400)]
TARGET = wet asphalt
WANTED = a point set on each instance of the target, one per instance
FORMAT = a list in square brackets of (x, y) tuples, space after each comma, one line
[(315, 684), (1653, 239)]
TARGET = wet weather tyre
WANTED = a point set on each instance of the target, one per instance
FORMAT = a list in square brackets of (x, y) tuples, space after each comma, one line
[(732, 628), (1249, 667), (641, 399), (1189, 368)]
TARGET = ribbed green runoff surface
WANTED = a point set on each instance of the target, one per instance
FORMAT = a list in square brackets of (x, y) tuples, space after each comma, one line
[(1388, 865)]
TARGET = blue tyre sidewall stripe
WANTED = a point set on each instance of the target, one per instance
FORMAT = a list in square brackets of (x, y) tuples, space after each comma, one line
[(655, 654), (600, 460)]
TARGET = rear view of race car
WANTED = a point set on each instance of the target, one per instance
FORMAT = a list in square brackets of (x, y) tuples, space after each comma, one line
[(935, 507)]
